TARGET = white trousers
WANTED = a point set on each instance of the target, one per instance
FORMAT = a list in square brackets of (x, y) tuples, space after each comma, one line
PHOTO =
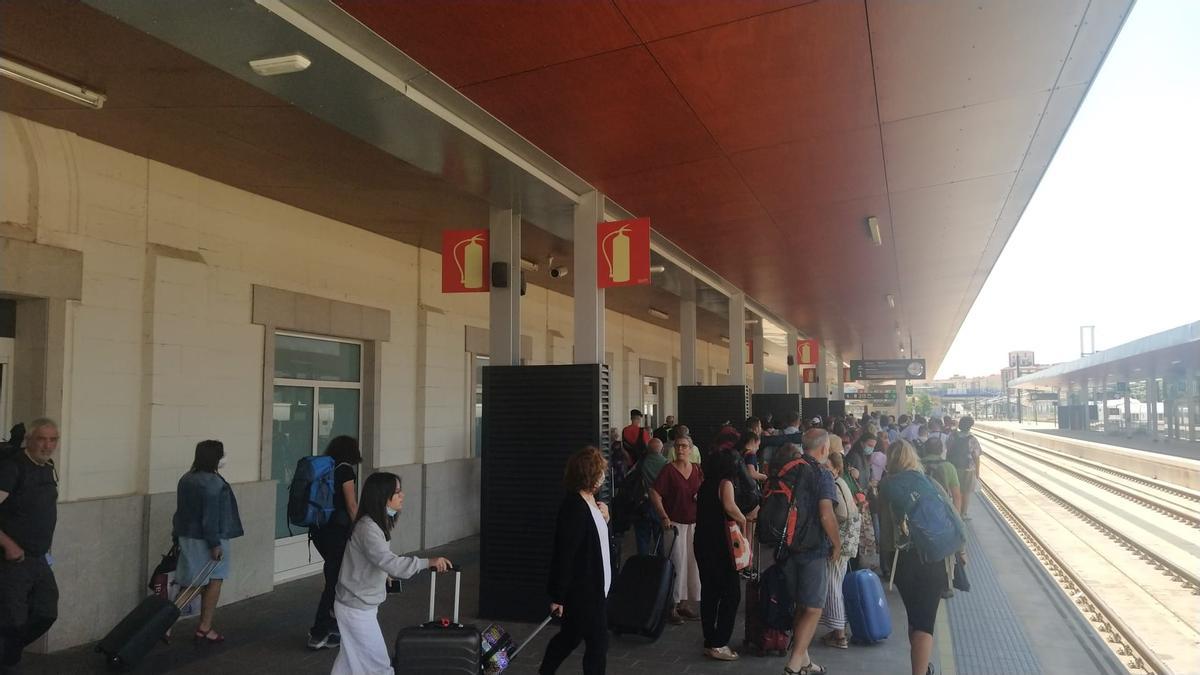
[(363, 650), (687, 575)]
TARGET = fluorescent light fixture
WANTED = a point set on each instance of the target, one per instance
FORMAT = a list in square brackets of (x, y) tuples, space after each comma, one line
[(528, 265), (891, 300), (725, 339), (280, 65), (51, 84), (658, 269), (659, 314), (873, 230)]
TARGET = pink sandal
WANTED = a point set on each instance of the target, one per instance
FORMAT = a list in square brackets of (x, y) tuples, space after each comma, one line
[(209, 636)]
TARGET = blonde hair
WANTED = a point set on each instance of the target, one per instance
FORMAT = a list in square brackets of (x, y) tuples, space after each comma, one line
[(835, 461), (902, 457)]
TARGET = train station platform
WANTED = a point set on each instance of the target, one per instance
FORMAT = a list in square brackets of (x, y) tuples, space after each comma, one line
[(1165, 446), (1014, 621)]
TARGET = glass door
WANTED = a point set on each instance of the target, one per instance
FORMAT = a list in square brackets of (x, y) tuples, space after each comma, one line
[(317, 396)]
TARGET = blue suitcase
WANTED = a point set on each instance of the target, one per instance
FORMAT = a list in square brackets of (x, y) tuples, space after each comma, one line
[(866, 607)]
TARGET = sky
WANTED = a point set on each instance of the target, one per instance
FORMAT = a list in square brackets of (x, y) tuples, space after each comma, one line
[(1108, 239)]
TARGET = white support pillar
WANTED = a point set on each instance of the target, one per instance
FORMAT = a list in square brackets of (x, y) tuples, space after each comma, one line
[(793, 376), (1104, 403), (901, 398), (820, 388), (504, 233), (589, 299), (1193, 399), (737, 339), (760, 359), (687, 332), (1152, 405), (839, 384)]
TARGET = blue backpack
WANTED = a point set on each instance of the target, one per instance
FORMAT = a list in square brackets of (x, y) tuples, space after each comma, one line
[(310, 497), (932, 527)]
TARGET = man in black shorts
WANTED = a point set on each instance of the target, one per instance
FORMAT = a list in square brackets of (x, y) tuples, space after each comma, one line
[(28, 514)]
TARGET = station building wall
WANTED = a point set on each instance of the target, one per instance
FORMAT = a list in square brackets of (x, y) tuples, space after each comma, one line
[(136, 285)]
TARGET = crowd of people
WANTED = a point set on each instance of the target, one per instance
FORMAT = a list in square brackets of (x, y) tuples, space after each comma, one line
[(866, 475), (860, 477)]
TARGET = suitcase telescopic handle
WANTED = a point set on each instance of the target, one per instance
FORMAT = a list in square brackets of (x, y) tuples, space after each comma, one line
[(433, 590)]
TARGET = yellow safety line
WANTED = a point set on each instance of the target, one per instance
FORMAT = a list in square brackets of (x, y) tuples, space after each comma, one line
[(945, 641)]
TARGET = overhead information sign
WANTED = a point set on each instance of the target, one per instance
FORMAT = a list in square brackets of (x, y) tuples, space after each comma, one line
[(872, 396), (888, 369), (1043, 396)]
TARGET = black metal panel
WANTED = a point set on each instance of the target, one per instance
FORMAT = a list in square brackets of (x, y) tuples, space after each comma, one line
[(837, 408), (775, 405), (522, 469), (704, 409), (814, 407)]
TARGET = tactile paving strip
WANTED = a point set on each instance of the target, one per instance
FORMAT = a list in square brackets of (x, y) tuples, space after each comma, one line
[(988, 636)]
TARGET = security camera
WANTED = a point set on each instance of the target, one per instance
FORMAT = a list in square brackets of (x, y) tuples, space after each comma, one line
[(558, 272)]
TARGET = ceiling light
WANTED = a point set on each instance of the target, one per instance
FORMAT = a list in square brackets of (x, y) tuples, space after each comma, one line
[(51, 84), (873, 230), (528, 265), (891, 300), (280, 65), (659, 314), (658, 269), (725, 339)]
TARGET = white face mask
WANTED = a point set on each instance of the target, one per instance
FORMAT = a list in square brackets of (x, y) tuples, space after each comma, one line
[(221, 463), (391, 512)]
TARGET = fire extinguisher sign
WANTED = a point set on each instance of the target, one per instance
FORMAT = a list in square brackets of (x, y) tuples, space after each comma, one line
[(465, 265), (623, 253)]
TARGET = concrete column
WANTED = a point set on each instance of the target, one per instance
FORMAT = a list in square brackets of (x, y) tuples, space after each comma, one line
[(687, 332), (737, 339), (760, 359), (1152, 406), (1193, 389), (901, 398), (505, 316), (589, 299), (1128, 411), (820, 388), (1104, 403), (839, 385), (793, 375)]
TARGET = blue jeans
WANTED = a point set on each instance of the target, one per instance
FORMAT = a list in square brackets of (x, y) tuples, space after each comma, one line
[(644, 530)]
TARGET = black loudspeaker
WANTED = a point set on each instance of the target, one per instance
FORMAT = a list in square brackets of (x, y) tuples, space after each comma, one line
[(705, 408), (791, 360), (499, 275), (522, 475), (837, 408), (775, 405)]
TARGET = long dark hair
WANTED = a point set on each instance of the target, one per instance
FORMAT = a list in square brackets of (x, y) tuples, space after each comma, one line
[(208, 456), (376, 493), (344, 450)]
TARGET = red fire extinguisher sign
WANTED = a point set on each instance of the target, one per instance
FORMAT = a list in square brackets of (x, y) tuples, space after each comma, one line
[(465, 265), (807, 352), (623, 253)]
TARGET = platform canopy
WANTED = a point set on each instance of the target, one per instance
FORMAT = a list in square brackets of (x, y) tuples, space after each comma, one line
[(1171, 352), (758, 135)]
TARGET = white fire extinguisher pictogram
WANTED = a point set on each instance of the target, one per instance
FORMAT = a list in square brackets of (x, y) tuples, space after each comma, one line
[(618, 259), (806, 352), (470, 263)]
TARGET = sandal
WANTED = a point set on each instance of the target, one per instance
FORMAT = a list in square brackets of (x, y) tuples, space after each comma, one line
[(837, 643), (811, 669), (209, 636)]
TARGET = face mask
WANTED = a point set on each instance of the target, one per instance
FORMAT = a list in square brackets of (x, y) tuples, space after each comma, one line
[(221, 463), (870, 449), (391, 512), (923, 438)]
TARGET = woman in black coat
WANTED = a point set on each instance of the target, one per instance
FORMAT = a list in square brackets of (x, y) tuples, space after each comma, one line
[(580, 571)]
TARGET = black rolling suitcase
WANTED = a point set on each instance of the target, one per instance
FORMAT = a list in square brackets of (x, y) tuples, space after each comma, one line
[(130, 640), (441, 647), (640, 595)]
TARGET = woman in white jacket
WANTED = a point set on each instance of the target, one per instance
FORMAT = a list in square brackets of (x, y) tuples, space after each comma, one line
[(361, 587)]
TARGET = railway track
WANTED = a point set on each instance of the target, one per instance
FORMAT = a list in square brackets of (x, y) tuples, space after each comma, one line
[(1125, 555)]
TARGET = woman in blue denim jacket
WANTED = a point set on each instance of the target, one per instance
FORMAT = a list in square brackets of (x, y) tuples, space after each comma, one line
[(206, 518)]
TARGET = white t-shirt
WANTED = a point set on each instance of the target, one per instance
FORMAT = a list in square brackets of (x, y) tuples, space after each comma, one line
[(602, 534)]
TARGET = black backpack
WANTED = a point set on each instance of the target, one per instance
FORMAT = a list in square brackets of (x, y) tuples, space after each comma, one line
[(959, 453), (632, 494), (9, 452), (746, 491), (636, 450)]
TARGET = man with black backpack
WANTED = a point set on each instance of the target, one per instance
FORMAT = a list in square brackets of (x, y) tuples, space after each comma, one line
[(635, 438), (964, 454), (813, 542), (28, 515)]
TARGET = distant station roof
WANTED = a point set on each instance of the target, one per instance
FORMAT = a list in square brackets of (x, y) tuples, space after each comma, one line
[(1160, 353)]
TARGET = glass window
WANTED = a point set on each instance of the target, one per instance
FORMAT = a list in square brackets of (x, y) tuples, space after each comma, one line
[(291, 439), (302, 358), (337, 415), (477, 402)]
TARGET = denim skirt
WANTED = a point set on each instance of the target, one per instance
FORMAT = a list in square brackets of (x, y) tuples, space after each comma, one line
[(194, 554)]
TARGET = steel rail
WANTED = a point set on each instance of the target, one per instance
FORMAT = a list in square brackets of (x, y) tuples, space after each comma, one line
[(1122, 638), (1177, 573), (1181, 515)]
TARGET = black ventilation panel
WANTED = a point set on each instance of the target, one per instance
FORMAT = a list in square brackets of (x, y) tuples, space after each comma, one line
[(534, 418), (774, 405), (705, 408)]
